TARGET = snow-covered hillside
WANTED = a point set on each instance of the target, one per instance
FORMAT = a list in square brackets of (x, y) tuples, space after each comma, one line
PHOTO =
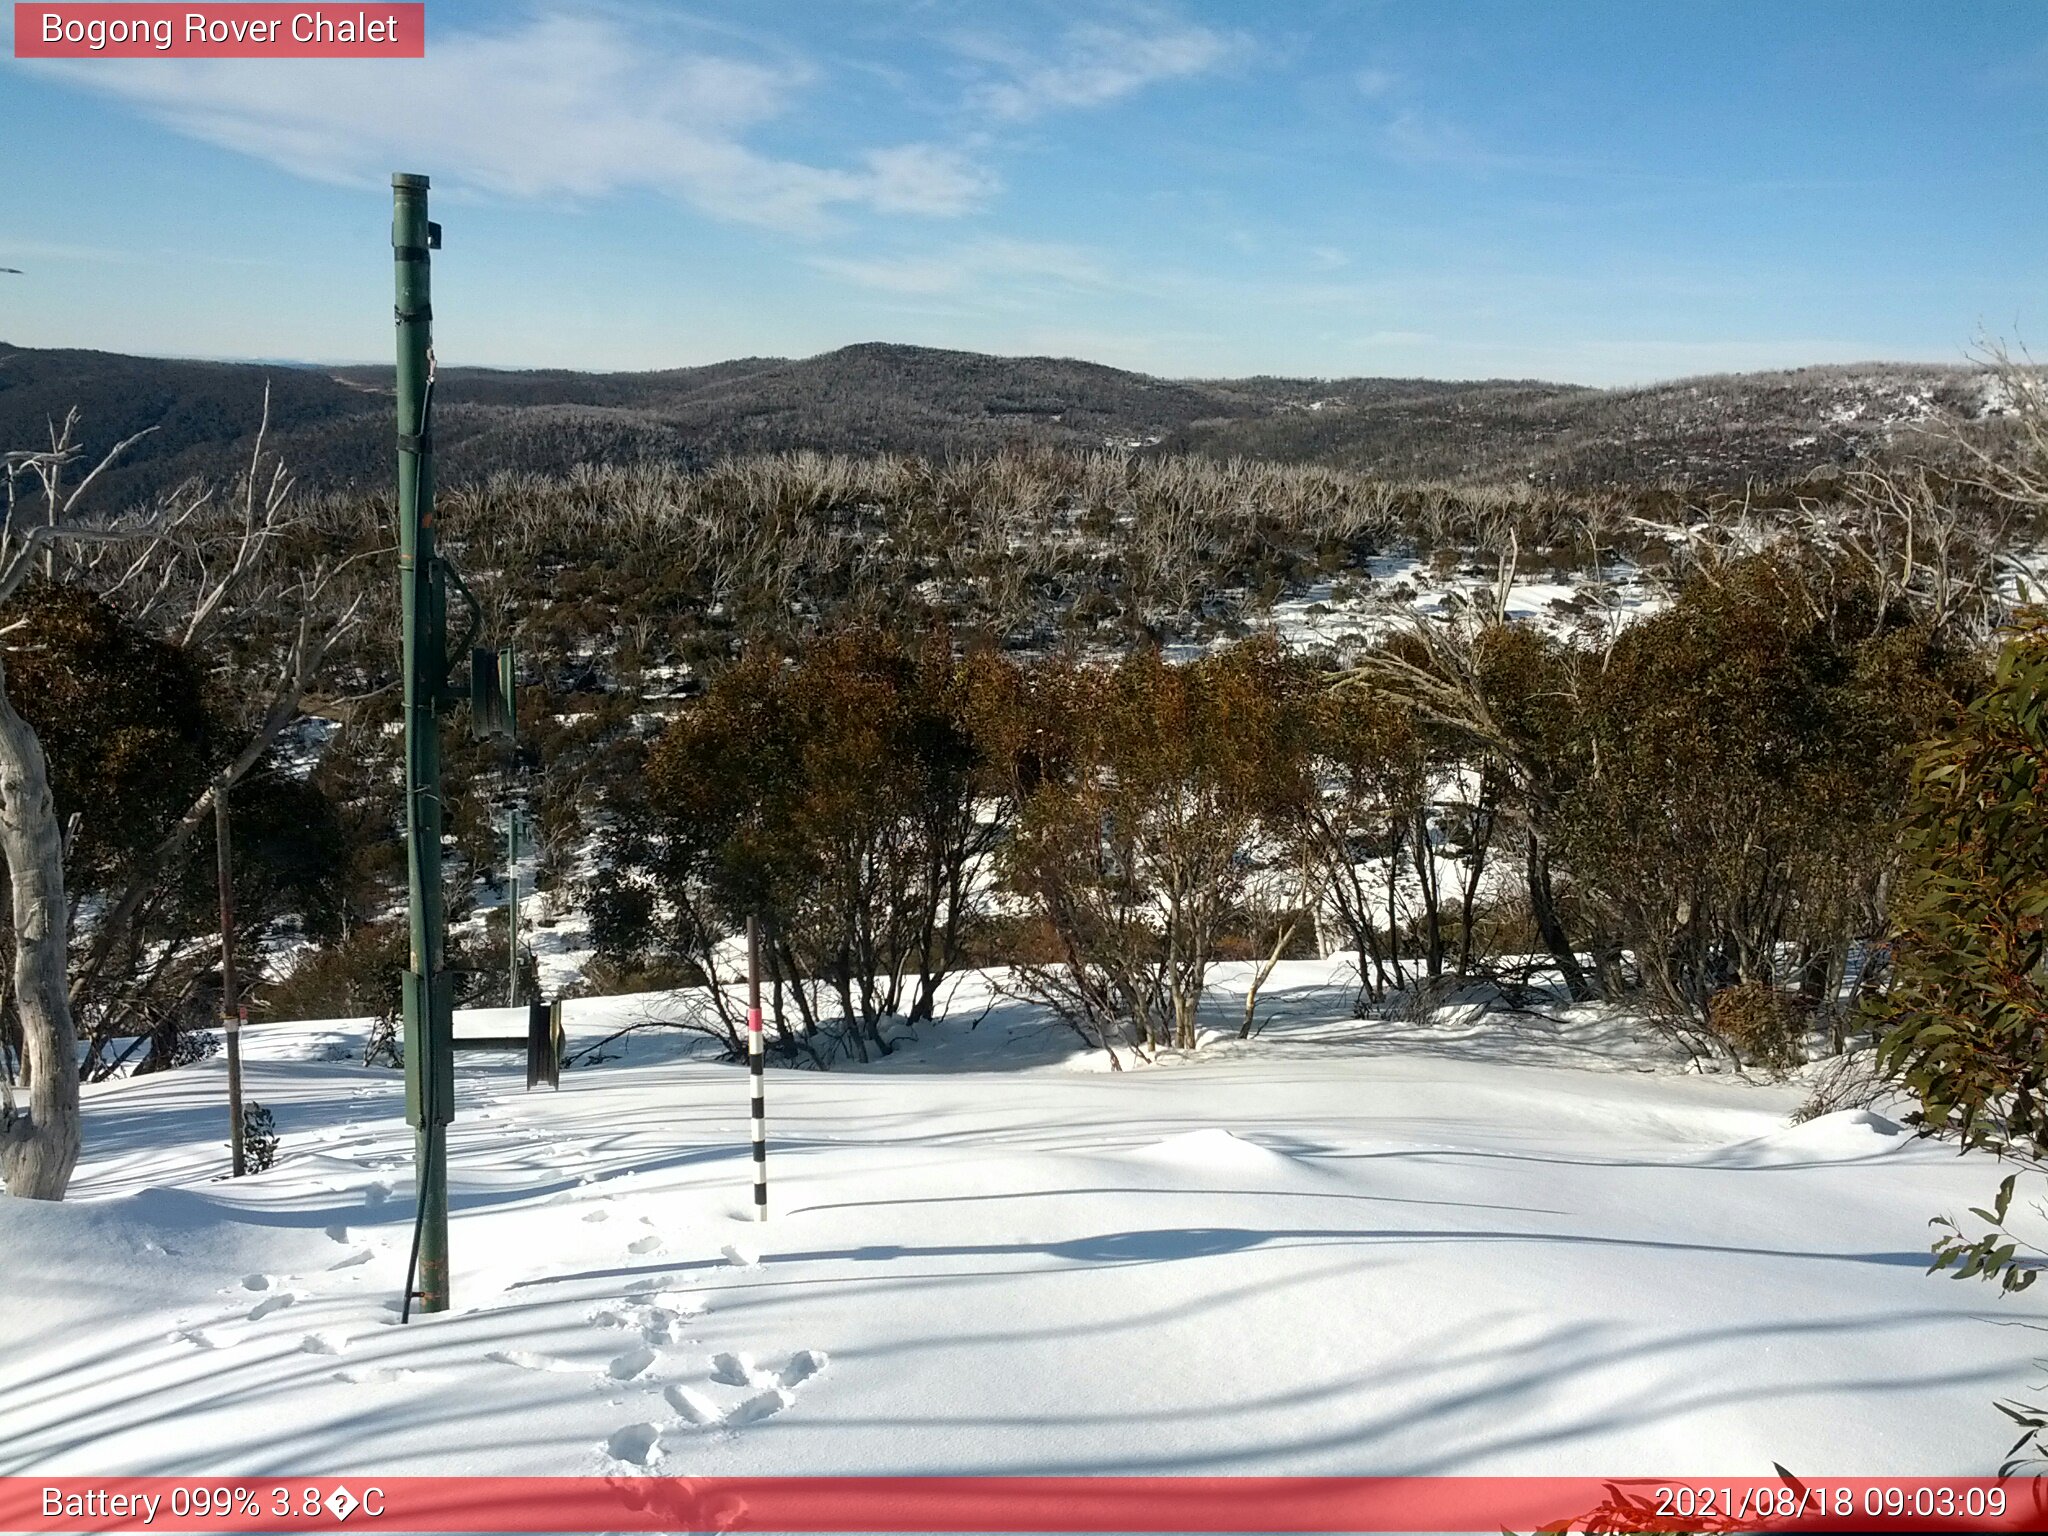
[(1472, 1245)]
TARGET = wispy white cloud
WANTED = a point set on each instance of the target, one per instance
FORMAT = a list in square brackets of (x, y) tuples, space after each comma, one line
[(987, 266), (1375, 83), (1414, 136), (560, 105), (1096, 63)]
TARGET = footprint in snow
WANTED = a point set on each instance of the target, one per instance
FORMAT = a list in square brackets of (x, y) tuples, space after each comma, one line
[(759, 1406), (776, 1390), (638, 1443), (803, 1365), (625, 1367), (647, 1244), (372, 1374), (323, 1344), (599, 1216), (270, 1304), (526, 1360), (198, 1338), (256, 1282), (734, 1370), (657, 1325), (338, 1232), (693, 1407), (360, 1256), (745, 1257)]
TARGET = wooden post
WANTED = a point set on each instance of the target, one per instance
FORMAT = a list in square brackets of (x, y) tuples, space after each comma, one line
[(756, 1054), (230, 1001)]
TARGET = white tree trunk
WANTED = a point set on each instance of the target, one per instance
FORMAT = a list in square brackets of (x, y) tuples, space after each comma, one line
[(39, 1143)]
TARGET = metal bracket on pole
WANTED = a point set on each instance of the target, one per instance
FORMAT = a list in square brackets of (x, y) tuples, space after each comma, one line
[(490, 693)]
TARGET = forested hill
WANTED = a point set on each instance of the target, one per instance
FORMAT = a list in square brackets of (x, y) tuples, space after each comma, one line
[(334, 425)]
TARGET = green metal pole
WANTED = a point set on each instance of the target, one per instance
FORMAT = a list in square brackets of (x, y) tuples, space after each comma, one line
[(429, 1015), (512, 905)]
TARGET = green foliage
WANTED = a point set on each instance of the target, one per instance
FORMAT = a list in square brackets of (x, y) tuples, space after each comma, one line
[(1967, 1013), (1730, 784), (840, 797), (1994, 1256), (1143, 796)]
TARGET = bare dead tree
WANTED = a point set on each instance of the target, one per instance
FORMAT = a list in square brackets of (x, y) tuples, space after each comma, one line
[(39, 1139), (186, 570), (216, 565)]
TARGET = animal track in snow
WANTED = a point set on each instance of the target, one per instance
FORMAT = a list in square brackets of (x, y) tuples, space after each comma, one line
[(198, 1338)]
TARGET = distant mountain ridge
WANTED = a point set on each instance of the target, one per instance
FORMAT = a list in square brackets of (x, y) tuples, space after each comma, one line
[(333, 424)]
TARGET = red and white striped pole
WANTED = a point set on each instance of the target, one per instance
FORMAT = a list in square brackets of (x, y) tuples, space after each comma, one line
[(756, 1059)]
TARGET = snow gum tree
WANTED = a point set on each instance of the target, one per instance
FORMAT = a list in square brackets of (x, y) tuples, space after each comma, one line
[(1149, 792), (1735, 776), (845, 797), (1968, 1007), (1371, 769)]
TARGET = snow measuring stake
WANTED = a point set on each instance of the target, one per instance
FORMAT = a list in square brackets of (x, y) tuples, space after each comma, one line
[(424, 579), (756, 1058)]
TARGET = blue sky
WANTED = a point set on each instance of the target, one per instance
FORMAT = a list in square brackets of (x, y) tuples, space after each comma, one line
[(1580, 191)]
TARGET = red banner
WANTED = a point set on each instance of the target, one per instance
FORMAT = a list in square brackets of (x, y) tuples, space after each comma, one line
[(931, 1504), (221, 31)]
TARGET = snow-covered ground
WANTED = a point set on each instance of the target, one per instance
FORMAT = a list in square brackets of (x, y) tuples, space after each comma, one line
[(1393, 591), (1474, 1245)]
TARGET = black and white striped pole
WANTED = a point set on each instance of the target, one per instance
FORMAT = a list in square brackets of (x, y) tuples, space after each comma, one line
[(755, 1061)]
